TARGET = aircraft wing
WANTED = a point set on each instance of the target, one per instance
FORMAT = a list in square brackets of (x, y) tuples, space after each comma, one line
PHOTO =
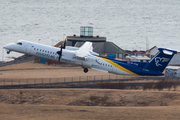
[(87, 46), (84, 50)]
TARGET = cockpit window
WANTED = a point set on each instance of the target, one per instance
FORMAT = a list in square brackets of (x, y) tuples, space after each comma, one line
[(19, 43)]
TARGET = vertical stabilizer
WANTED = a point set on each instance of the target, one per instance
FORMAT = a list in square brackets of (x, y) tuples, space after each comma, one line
[(161, 60)]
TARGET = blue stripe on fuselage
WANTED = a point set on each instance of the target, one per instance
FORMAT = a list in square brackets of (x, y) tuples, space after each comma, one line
[(135, 67)]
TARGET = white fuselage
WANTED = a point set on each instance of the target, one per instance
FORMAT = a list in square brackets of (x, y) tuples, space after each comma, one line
[(85, 57), (68, 56)]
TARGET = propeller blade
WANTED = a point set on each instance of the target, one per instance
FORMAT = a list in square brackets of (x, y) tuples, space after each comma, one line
[(64, 47), (60, 53), (59, 58)]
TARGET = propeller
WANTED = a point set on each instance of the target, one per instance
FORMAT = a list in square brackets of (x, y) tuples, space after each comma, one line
[(60, 52), (64, 47)]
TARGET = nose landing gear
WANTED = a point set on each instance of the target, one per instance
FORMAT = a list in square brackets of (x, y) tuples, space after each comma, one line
[(8, 51), (85, 70)]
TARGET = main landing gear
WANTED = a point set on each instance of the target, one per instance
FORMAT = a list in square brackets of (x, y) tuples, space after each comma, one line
[(85, 70)]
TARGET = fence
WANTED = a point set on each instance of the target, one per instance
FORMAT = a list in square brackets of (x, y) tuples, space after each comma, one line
[(67, 80)]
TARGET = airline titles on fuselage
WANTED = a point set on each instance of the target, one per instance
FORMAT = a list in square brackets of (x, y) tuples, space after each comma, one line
[(79, 58), (51, 56), (46, 55)]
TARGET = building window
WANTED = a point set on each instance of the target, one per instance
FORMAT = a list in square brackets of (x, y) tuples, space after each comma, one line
[(86, 31)]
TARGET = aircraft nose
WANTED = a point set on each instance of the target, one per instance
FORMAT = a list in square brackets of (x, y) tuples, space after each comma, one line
[(8, 46)]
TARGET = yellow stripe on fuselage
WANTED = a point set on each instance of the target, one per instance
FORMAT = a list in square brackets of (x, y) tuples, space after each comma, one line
[(118, 66)]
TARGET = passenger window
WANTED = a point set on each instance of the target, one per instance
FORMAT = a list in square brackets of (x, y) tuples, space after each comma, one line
[(43, 51), (34, 48), (37, 49)]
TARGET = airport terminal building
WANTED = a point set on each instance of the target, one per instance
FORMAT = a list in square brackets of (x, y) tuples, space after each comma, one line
[(100, 45)]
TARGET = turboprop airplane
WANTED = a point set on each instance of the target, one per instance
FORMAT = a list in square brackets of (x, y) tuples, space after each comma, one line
[(86, 58)]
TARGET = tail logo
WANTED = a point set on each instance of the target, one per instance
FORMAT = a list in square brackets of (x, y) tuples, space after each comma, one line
[(159, 61)]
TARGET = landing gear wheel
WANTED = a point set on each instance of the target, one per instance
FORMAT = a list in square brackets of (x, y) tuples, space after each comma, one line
[(8, 52), (85, 70)]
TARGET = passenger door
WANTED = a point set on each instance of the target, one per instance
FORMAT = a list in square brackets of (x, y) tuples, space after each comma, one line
[(29, 47)]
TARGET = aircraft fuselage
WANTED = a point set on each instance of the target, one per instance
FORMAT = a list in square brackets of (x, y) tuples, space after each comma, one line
[(89, 61)]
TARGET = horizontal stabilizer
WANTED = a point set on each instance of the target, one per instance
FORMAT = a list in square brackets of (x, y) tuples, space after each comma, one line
[(167, 51)]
